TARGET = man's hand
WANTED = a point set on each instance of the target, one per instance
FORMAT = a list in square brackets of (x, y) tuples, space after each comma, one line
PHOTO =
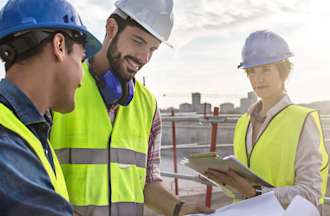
[(76, 214), (233, 180), (162, 201), (194, 209)]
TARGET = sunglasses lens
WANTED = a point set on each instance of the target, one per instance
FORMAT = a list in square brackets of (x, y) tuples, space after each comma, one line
[(79, 37)]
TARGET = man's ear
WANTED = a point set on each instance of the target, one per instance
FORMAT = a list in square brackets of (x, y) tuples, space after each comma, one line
[(111, 28), (58, 45)]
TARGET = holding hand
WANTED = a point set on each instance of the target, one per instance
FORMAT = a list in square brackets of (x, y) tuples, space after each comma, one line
[(233, 180)]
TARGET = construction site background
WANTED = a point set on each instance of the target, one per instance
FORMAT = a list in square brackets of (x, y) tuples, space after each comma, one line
[(193, 133)]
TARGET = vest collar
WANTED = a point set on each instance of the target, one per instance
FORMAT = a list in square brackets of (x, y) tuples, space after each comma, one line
[(20, 103)]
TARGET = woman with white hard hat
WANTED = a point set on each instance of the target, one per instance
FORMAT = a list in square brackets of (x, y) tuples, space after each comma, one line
[(279, 141)]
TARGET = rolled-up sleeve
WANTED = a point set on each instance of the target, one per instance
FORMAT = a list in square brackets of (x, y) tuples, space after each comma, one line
[(153, 159)]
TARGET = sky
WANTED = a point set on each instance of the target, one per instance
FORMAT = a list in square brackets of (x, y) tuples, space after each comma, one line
[(208, 36)]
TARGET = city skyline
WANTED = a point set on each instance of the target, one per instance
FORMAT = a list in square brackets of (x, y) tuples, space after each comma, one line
[(197, 106), (229, 108)]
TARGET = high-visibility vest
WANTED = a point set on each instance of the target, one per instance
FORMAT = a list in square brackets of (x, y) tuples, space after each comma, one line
[(12, 123), (274, 154), (104, 164)]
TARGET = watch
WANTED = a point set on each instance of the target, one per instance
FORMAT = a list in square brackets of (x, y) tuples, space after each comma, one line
[(177, 208), (258, 190)]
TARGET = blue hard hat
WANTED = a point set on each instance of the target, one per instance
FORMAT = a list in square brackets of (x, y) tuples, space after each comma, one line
[(24, 15), (264, 47)]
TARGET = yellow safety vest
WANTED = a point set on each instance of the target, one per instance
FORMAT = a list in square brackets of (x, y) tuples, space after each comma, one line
[(273, 156), (12, 123), (96, 154)]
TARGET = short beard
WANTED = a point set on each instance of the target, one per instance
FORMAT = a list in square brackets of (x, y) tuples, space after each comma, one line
[(114, 57)]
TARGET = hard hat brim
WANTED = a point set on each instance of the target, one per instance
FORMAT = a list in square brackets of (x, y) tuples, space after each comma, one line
[(264, 62), (92, 46)]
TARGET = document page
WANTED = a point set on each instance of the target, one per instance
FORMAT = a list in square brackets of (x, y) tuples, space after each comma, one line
[(301, 206), (263, 205), (267, 205)]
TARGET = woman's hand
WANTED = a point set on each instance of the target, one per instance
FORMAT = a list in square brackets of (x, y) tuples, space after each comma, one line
[(233, 180)]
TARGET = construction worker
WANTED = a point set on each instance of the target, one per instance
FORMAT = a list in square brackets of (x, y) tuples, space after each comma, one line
[(42, 44), (109, 146), (280, 141)]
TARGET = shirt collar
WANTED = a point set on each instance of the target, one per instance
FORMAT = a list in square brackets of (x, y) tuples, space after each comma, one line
[(281, 104), (20, 103)]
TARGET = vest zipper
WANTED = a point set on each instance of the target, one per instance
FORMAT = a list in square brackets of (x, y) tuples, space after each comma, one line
[(109, 174)]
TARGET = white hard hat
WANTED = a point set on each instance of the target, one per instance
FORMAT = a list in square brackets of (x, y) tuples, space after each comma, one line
[(156, 16)]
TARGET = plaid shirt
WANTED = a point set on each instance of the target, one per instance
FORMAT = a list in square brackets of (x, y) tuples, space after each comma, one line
[(153, 159)]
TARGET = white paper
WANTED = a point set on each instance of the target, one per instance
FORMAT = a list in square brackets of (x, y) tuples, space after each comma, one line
[(267, 205), (301, 206), (262, 205)]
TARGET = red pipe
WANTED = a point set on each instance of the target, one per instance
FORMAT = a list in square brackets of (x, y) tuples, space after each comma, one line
[(212, 149), (174, 155)]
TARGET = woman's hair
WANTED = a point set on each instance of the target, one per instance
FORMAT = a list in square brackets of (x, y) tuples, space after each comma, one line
[(284, 67)]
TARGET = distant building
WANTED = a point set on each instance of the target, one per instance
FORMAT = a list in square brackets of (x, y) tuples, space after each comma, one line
[(196, 105), (196, 98), (252, 96), (186, 107), (204, 108), (237, 110), (226, 108), (169, 110), (196, 101), (322, 106), (245, 103)]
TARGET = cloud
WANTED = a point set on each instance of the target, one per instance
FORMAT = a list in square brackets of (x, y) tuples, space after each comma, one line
[(94, 14), (197, 18), (208, 36)]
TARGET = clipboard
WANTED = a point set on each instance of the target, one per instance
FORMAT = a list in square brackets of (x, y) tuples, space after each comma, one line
[(200, 162)]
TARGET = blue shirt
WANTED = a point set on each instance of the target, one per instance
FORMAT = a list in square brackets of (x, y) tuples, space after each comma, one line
[(25, 187)]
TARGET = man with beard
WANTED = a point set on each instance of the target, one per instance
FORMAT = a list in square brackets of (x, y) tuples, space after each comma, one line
[(109, 146)]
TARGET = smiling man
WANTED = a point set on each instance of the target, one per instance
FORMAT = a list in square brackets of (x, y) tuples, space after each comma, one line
[(109, 146)]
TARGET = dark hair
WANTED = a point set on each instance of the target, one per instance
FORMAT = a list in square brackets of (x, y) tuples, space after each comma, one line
[(122, 23), (36, 50)]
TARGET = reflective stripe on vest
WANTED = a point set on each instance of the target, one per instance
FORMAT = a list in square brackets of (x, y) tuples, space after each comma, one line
[(117, 209), (101, 156), (90, 147), (11, 122), (273, 156)]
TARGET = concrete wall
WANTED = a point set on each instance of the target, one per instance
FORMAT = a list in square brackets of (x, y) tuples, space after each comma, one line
[(196, 133)]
